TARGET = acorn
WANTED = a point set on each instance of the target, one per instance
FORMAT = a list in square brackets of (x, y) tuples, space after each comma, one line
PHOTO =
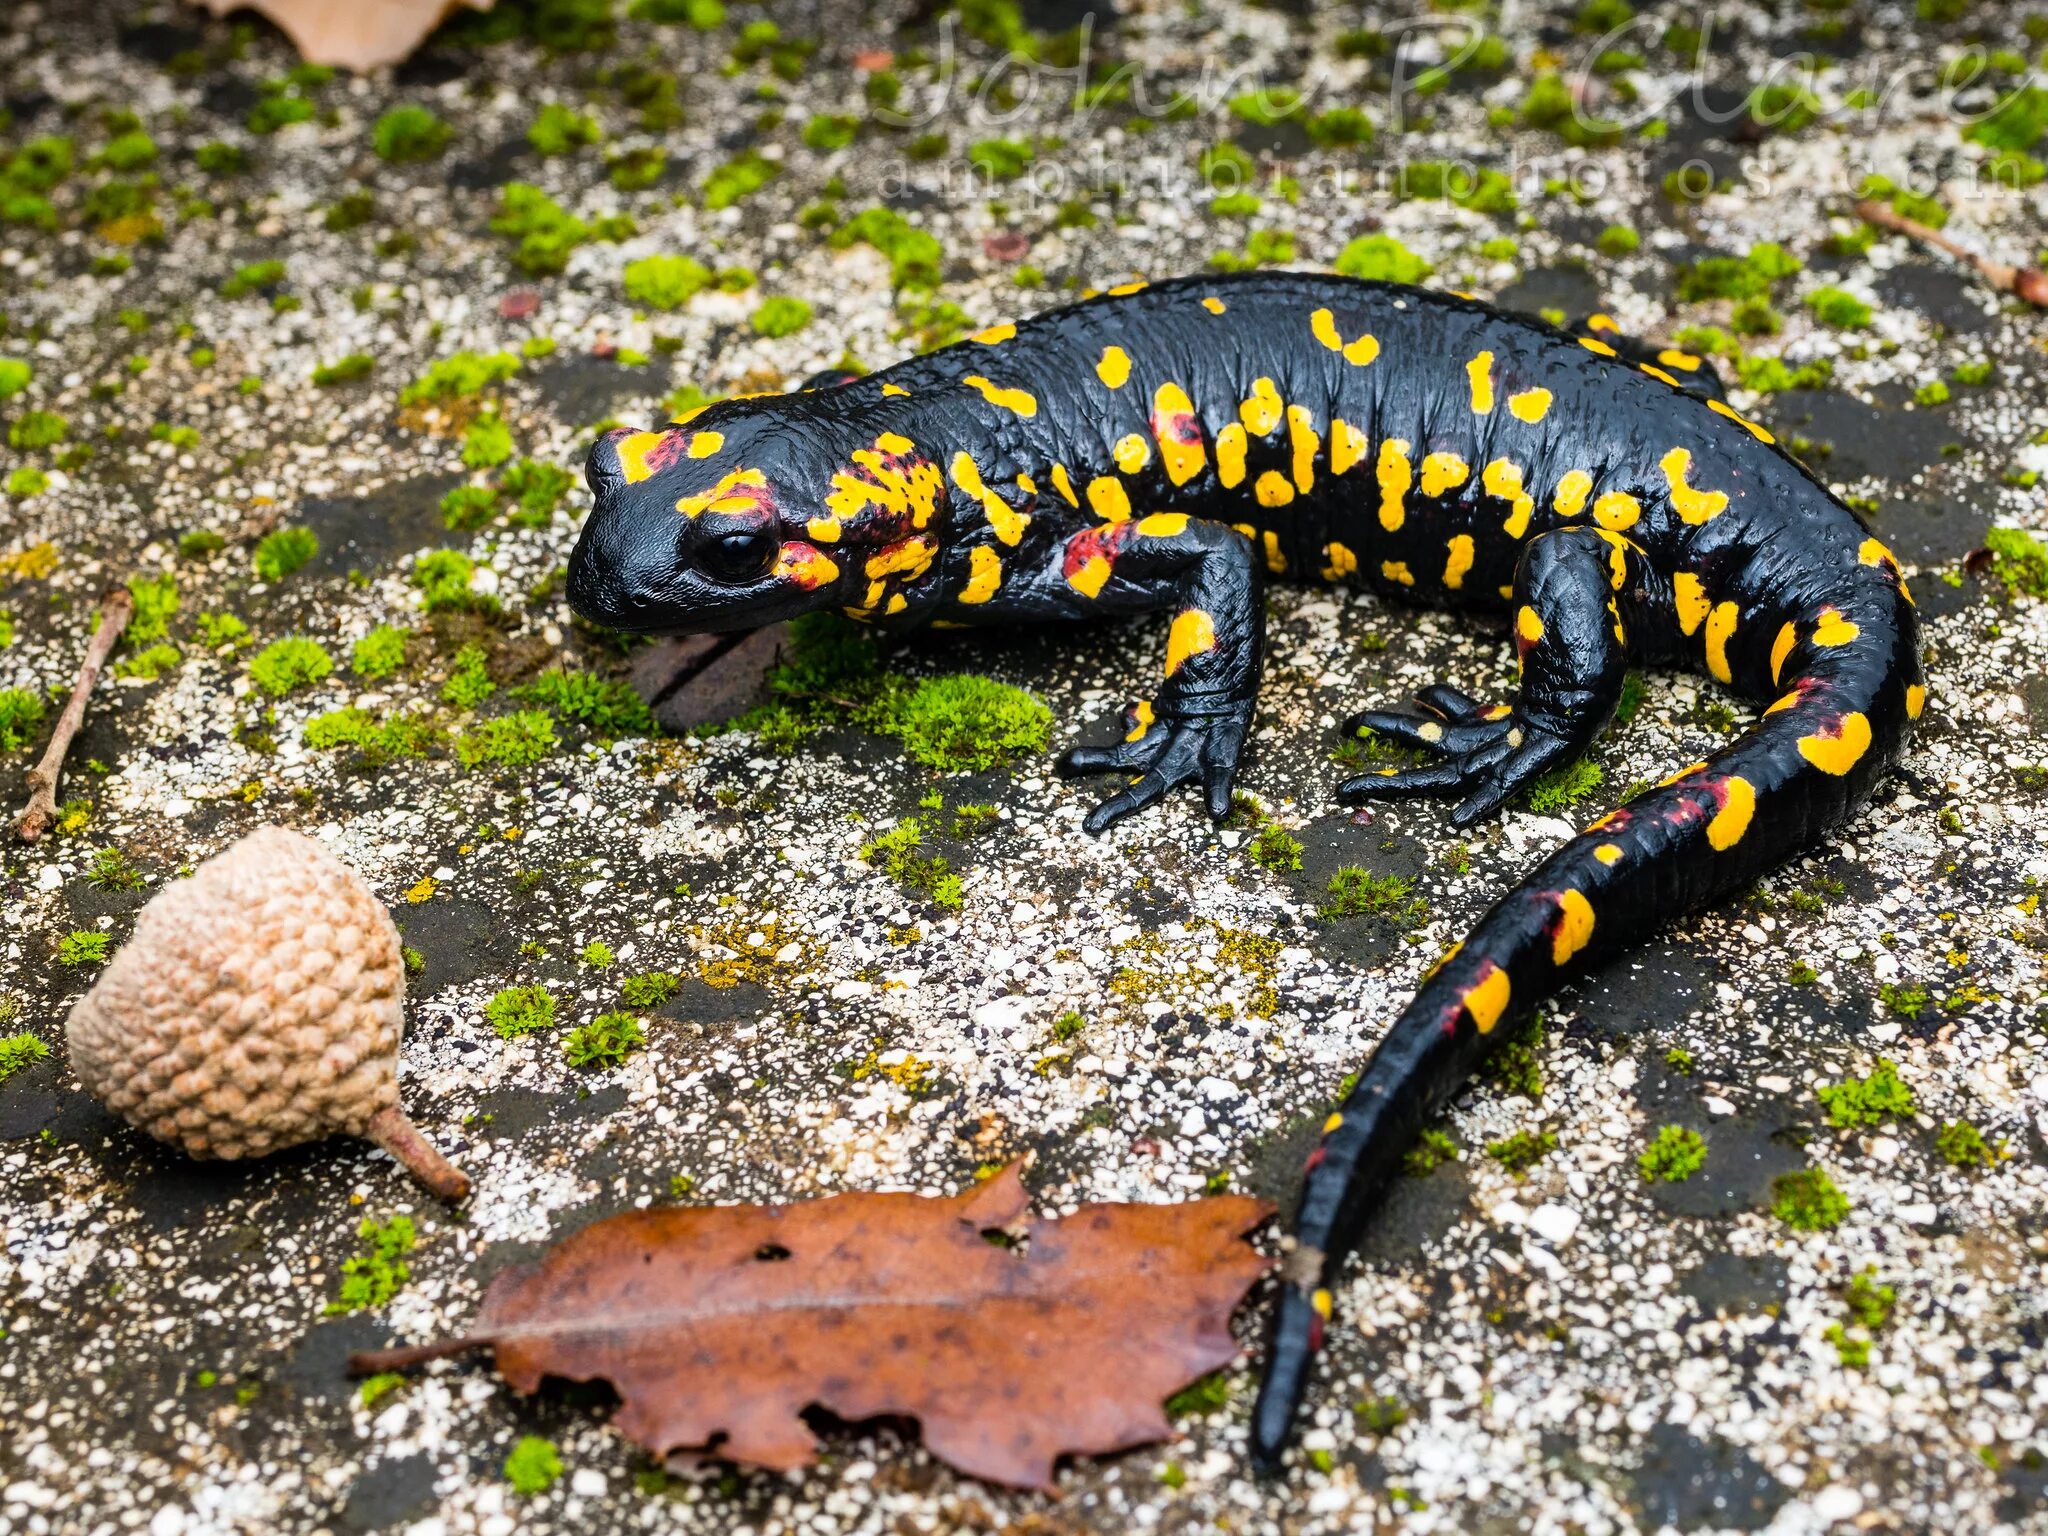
[(259, 1005)]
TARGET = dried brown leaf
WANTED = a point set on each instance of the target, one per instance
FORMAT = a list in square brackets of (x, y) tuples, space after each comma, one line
[(720, 1325), (358, 35)]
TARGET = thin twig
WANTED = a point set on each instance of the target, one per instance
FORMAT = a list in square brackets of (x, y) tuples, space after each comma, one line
[(368, 1362), (116, 609), (2028, 283)]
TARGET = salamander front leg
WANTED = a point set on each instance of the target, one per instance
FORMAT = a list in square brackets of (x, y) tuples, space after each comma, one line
[(1572, 591)]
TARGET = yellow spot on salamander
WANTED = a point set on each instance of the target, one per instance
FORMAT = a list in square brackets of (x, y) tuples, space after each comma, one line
[(1873, 552), (1572, 491), (1782, 647), (1021, 402), (1443, 472), (1530, 405), (1480, 372), (988, 336), (894, 442), (1321, 1301), (1660, 375), (1617, 511), (1694, 506), (1007, 521), (1336, 1119), (1503, 478), (1787, 701), (1833, 629), (1916, 700), (1306, 443), (984, 575), (1179, 434), (1395, 478), (1488, 1000), (1720, 630), (1722, 408), (1690, 597), (1091, 577), (1574, 926), (1163, 525), (1027, 485), (1273, 489), (1214, 305), (724, 497), (1108, 499), (633, 453), (1193, 632), (1397, 572), (1120, 289), (1684, 362), (1260, 411), (1685, 772), (1323, 326), (910, 557), (897, 603), (1603, 322), (1347, 445), (1340, 561), (1608, 854), (1062, 483), (1529, 625), (1592, 344), (1276, 560), (705, 444), (1231, 445), (1738, 805), (1458, 561), (1114, 367), (1132, 453), (1839, 750), (894, 389), (1142, 720)]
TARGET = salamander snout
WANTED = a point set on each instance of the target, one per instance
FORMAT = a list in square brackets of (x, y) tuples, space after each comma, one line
[(622, 572)]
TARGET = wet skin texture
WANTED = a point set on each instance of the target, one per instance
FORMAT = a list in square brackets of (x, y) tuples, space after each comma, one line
[(1170, 448)]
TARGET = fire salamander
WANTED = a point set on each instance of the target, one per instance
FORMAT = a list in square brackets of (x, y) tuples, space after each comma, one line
[(1169, 448)]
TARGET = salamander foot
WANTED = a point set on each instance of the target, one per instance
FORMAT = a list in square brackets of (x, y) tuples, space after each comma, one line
[(1486, 755), (1179, 747)]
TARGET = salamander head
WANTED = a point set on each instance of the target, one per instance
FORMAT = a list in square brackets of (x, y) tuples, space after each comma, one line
[(703, 527)]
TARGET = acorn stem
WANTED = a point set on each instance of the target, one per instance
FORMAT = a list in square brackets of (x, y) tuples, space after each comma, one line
[(397, 1135)]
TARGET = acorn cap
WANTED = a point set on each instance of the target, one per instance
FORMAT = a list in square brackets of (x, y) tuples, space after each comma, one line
[(258, 1005)]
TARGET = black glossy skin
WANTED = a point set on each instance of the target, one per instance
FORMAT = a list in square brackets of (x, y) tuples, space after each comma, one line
[(1577, 519)]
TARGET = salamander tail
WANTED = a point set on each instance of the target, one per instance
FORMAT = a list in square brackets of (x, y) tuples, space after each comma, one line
[(1710, 829)]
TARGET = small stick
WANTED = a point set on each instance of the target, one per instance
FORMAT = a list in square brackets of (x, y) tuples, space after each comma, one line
[(2029, 283), (368, 1362), (116, 609), (397, 1135)]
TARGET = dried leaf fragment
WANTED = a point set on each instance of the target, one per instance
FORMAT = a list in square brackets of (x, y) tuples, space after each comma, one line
[(720, 1325), (360, 35)]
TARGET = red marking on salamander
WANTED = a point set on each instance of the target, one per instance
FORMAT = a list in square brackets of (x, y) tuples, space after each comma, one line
[(1176, 427), (1091, 543)]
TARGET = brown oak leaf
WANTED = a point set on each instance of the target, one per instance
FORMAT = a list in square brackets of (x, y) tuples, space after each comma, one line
[(720, 1325)]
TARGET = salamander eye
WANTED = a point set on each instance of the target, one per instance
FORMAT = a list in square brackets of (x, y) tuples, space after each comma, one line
[(739, 557)]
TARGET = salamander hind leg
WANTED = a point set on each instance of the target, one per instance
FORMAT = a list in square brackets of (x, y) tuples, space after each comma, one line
[(1574, 590)]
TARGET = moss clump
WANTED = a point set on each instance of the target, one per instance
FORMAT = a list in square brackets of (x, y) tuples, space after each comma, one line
[(284, 665), (1276, 849), (486, 441), (81, 947), (14, 376), (1905, 1000), (468, 507), (379, 653), (1674, 1155), (1522, 1151), (738, 179), (1517, 1063), (1868, 1100), (1961, 1145), (254, 277), (896, 854), (410, 133), (650, 989), (533, 1466), (1838, 309), (536, 488), (1808, 1200), (379, 742), (443, 577), (517, 1011), (459, 377), (469, 679), (516, 740), (1565, 786), (605, 1041), (560, 130), (781, 316), (966, 724), (2019, 560), (1355, 892), (665, 282), (543, 232), (21, 716), (18, 1053), (150, 664), (377, 1273), (156, 601), (915, 257), (1618, 240), (604, 706), (1431, 1148), (1001, 159), (1869, 1302), (344, 370), (37, 429), (282, 551), (1210, 1394), (1737, 277)]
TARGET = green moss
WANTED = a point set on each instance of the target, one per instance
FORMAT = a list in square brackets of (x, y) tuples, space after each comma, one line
[(1808, 1200), (1905, 1000), (781, 316), (291, 663), (1522, 1151), (469, 680), (1868, 1100), (1772, 375), (21, 717), (149, 664), (516, 740), (278, 111), (1356, 892), (533, 1466), (468, 507), (543, 232), (597, 954), (486, 442), (1674, 1155), (282, 551), (2019, 560), (560, 130), (536, 488), (738, 179), (378, 1271), (896, 854), (606, 707), (517, 1011), (1838, 308), (1480, 189), (605, 1041), (82, 947), (375, 1389), (1961, 1145), (1516, 1065), (345, 370), (650, 989), (379, 653), (1382, 258), (443, 577), (827, 131), (37, 429), (1001, 159), (26, 481), (1870, 1303), (253, 277), (1618, 240), (1736, 277), (1564, 786), (459, 376), (915, 258), (14, 377), (18, 1053), (1431, 1148), (1275, 849), (410, 133), (1206, 1395), (665, 282), (221, 629)]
